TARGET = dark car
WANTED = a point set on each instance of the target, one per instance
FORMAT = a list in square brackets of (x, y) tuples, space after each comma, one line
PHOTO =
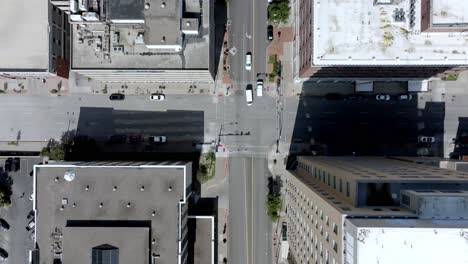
[(355, 97), (270, 32), (3, 254), (333, 96), (8, 163), (16, 165), (117, 96), (118, 139), (135, 139), (4, 225)]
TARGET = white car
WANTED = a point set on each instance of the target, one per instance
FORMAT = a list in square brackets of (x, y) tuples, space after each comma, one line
[(259, 87), (382, 97), (249, 94), (248, 61), (157, 139), (425, 139), (157, 97), (405, 97)]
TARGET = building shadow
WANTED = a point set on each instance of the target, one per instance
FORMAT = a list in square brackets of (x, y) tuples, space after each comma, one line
[(461, 139), (220, 20), (359, 124), (98, 128)]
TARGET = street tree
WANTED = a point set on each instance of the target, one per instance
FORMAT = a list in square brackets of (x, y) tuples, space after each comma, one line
[(278, 12)]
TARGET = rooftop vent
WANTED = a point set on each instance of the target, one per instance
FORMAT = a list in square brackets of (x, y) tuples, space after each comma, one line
[(147, 6), (163, 5), (188, 24), (163, 40), (69, 175)]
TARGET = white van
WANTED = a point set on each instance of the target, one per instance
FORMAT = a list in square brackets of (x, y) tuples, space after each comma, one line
[(249, 94), (259, 87)]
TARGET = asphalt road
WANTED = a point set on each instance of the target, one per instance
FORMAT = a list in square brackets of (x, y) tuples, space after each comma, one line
[(38, 118), (249, 226)]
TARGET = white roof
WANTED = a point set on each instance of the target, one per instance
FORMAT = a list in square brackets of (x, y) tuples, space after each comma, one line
[(359, 32), (449, 12), (410, 245)]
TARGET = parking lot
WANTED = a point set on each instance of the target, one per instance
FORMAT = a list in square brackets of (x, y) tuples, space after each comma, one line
[(17, 241)]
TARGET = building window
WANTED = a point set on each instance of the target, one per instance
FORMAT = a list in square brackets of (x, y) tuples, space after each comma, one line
[(347, 189), (105, 254), (335, 229), (334, 182), (329, 179), (341, 185)]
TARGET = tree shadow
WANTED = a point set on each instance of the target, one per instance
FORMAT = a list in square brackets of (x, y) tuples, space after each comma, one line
[(5, 188)]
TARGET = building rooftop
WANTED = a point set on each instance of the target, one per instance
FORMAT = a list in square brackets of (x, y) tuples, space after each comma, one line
[(407, 241), (157, 42), (386, 169), (126, 10), (104, 204), (449, 12), (389, 32), (24, 30)]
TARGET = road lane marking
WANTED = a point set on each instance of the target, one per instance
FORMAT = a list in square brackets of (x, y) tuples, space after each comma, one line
[(252, 211), (246, 219)]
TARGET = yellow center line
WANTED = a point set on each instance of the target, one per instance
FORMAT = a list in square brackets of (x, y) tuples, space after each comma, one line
[(246, 221)]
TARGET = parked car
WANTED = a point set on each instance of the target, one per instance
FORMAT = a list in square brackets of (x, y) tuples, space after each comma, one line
[(3, 254), (31, 225), (382, 97), (4, 225), (249, 94), (259, 87), (30, 215), (157, 97), (157, 139), (355, 97), (405, 97), (135, 139), (333, 96), (425, 139), (8, 163), (117, 97), (16, 164), (248, 61), (270, 32), (118, 139)]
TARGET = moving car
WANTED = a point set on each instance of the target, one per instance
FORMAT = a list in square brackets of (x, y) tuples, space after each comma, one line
[(270, 32), (382, 97), (249, 94), (117, 97), (4, 225), (118, 139), (425, 139), (8, 163), (405, 97), (248, 61), (157, 97), (31, 225), (259, 87), (157, 139), (135, 139), (333, 96), (3, 254)]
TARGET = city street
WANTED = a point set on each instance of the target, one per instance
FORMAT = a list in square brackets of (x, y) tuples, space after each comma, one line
[(249, 226)]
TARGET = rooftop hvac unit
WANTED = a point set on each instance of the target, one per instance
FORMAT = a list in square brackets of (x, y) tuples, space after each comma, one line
[(73, 6), (90, 16), (83, 5), (76, 18)]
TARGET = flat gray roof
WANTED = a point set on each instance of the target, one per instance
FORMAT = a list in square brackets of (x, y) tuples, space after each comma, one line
[(126, 9), (24, 35), (103, 208), (162, 20), (132, 243)]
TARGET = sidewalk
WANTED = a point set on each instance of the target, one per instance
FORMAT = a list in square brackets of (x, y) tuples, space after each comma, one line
[(218, 186), (33, 85)]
